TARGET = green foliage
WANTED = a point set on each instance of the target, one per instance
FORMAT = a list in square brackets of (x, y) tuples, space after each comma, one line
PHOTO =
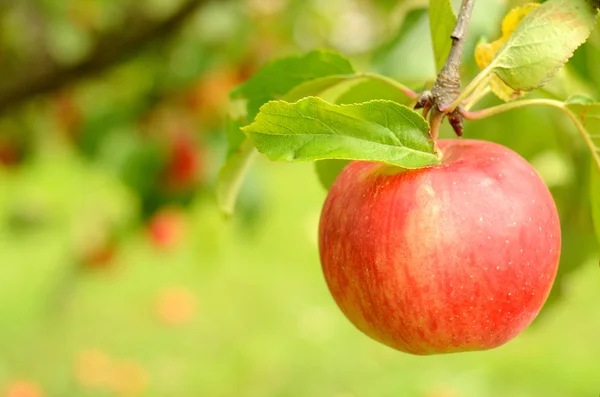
[(441, 23), (369, 89), (587, 118), (320, 87), (91, 164), (544, 40), (313, 129), (566, 83), (407, 56), (290, 77), (232, 174), (235, 137), (328, 170), (280, 76), (595, 199)]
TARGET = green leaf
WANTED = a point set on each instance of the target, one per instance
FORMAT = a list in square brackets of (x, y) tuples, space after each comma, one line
[(581, 100), (441, 24), (292, 77), (317, 73), (313, 129), (543, 42), (328, 170), (279, 77), (595, 195)]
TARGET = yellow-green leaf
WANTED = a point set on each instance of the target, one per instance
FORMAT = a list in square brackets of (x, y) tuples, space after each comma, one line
[(485, 52), (543, 42)]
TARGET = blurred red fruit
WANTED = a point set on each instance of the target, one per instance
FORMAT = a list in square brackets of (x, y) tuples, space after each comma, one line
[(23, 388), (167, 228), (176, 305), (9, 154), (209, 97), (68, 114), (185, 164)]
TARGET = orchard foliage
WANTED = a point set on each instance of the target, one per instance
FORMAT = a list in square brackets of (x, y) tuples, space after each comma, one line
[(121, 120)]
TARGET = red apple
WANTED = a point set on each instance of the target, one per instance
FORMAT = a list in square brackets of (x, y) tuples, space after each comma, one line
[(166, 228), (454, 257), (185, 164)]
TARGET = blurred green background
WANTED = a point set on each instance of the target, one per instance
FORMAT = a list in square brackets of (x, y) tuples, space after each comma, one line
[(118, 274)]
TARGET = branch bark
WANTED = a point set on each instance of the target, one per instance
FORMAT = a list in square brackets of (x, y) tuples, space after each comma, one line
[(447, 85), (112, 48)]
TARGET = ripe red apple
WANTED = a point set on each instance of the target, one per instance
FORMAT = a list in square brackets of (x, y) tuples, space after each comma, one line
[(166, 228), (454, 257), (185, 164)]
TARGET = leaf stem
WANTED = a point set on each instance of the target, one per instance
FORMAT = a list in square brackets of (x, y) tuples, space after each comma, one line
[(384, 79), (478, 94), (481, 114), (505, 107), (474, 99), (588, 139)]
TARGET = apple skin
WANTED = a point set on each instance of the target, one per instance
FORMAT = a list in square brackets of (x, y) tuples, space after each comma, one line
[(455, 257)]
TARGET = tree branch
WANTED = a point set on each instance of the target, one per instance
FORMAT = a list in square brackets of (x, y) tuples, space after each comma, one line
[(111, 48), (447, 85)]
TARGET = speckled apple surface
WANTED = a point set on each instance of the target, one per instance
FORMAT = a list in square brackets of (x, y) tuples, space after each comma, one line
[(459, 256)]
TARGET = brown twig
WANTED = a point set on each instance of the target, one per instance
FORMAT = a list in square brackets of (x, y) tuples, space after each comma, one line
[(447, 85), (112, 48)]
